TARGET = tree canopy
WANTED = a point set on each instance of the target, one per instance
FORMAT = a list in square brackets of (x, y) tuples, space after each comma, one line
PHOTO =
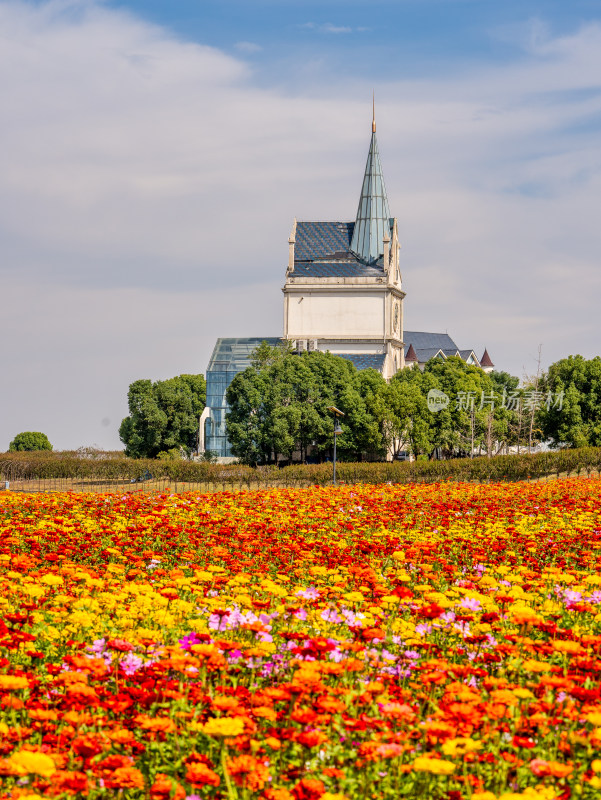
[(476, 417), (30, 440), (279, 406), (570, 410), (163, 416)]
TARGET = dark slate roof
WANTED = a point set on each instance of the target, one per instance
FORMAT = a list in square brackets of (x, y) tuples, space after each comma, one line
[(465, 354), (365, 360), (323, 240), (422, 340), (335, 269), (426, 353)]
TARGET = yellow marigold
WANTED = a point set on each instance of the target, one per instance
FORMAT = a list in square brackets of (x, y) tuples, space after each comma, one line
[(594, 718), (52, 580), (532, 665), (484, 796), (437, 766), (332, 796), (530, 793), (11, 683), (27, 762), (460, 746), (522, 693), (223, 726), (568, 647)]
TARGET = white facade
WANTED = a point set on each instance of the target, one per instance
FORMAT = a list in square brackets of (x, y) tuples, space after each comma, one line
[(349, 314)]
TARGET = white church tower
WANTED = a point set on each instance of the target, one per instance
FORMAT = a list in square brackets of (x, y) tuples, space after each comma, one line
[(343, 283)]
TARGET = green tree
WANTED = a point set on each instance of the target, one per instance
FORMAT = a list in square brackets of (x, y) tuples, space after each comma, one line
[(279, 406), (30, 440), (412, 422), (163, 416), (476, 417), (570, 408)]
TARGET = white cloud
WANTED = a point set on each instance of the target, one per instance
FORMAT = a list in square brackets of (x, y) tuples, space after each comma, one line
[(149, 184), (328, 27), (249, 48)]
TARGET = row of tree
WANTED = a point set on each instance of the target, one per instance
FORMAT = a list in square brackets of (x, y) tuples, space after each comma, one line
[(279, 410)]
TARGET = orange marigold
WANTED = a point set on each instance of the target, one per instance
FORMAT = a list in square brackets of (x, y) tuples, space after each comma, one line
[(277, 794), (248, 772), (69, 782), (165, 787), (199, 774), (125, 778)]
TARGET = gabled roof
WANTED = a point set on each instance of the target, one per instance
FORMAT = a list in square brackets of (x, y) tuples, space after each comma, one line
[(426, 353), (423, 339), (373, 215), (365, 360)]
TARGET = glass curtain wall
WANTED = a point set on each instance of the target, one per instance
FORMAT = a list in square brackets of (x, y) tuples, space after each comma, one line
[(230, 356)]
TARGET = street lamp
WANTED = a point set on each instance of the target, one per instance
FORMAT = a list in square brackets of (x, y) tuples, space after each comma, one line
[(337, 431)]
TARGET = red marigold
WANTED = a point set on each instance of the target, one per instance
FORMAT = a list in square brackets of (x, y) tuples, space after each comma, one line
[(88, 745), (70, 782), (311, 738), (120, 645), (309, 789), (200, 775)]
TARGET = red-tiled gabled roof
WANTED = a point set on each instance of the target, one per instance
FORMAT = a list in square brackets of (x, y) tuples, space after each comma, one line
[(486, 361)]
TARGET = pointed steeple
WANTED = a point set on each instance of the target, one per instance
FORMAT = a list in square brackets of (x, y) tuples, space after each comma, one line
[(411, 354), (373, 214), (486, 360)]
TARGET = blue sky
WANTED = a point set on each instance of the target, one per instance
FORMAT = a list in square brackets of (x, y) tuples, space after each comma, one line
[(154, 154), (374, 39)]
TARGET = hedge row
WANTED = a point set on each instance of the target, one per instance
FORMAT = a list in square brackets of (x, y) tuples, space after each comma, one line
[(15, 466)]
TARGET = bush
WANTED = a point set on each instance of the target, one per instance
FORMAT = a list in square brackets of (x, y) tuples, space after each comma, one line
[(21, 465), (29, 440)]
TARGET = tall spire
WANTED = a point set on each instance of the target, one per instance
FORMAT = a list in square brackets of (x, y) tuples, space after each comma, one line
[(373, 215)]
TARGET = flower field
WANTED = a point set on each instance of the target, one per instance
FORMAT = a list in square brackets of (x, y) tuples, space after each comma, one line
[(432, 641)]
